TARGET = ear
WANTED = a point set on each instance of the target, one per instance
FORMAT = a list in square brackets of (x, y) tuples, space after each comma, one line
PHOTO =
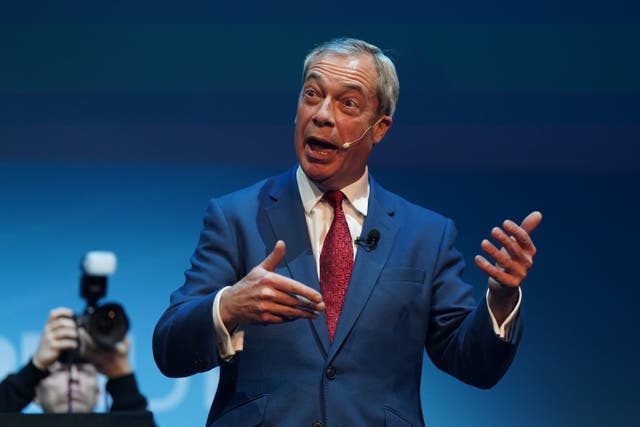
[(380, 128)]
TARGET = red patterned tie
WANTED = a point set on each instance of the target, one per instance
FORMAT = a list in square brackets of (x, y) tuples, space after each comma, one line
[(336, 262)]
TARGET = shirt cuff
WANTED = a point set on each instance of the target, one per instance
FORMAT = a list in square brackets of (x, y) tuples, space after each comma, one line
[(228, 343), (502, 331)]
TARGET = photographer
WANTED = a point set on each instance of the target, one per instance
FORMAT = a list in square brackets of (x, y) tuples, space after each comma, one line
[(71, 387)]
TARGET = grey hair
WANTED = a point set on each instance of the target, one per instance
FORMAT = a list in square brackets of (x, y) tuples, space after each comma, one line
[(388, 86)]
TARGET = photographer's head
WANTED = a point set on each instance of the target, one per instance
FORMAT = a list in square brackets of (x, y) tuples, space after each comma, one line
[(78, 381), (73, 360)]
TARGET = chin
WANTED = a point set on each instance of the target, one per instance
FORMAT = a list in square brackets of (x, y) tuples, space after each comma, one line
[(76, 407), (60, 408), (312, 171)]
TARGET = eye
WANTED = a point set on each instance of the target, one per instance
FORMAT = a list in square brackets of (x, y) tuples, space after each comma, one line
[(350, 103), (86, 367), (311, 96), (310, 93), (58, 367)]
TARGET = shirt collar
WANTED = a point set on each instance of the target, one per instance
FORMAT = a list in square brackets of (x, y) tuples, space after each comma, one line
[(357, 193)]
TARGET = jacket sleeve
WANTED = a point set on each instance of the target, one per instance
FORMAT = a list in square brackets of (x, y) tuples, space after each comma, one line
[(125, 394), (461, 340), (184, 338), (18, 390)]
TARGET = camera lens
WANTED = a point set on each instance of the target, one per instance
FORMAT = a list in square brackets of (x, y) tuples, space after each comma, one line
[(108, 325)]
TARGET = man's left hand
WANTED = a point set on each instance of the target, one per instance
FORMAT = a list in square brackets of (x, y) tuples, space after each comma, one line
[(512, 263), (113, 363)]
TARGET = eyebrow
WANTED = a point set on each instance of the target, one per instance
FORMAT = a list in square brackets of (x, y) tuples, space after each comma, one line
[(347, 87)]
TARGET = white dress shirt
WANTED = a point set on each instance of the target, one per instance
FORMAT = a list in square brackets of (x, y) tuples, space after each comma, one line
[(319, 216)]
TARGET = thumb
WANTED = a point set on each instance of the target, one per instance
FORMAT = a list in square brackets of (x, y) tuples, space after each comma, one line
[(122, 347), (531, 221), (271, 262)]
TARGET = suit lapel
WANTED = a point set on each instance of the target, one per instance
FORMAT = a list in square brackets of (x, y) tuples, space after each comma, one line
[(286, 214), (367, 266)]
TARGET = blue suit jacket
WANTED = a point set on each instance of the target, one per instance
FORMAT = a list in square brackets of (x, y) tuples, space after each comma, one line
[(404, 296)]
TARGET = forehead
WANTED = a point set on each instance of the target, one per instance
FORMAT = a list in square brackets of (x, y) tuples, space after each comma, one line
[(357, 71)]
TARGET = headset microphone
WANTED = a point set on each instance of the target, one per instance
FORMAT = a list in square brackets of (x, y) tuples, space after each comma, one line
[(370, 242), (347, 145)]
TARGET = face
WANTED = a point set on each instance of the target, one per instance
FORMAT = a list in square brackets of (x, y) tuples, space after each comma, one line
[(52, 392), (337, 104)]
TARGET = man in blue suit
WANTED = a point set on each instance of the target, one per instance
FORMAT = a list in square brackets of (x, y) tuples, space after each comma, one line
[(259, 303)]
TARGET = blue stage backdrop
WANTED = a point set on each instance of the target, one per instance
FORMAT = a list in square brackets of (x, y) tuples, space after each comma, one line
[(117, 126)]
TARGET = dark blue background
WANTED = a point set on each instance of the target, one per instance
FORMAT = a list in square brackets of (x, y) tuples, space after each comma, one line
[(119, 121)]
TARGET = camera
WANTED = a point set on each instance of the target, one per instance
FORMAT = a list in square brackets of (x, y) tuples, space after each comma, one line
[(107, 324)]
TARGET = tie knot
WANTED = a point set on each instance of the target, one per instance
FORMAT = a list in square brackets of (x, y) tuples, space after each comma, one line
[(334, 198)]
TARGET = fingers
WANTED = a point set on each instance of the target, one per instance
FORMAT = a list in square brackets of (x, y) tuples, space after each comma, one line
[(61, 328), (297, 293), (112, 362), (515, 258), (123, 346), (264, 296), (59, 334), (60, 341), (274, 312), (273, 259), (285, 284), (246, 303), (60, 325), (514, 252), (499, 257), (531, 221), (520, 235), (517, 242), (501, 276), (286, 292), (58, 313)]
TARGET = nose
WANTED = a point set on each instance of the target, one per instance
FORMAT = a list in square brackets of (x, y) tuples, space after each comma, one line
[(324, 114), (73, 373)]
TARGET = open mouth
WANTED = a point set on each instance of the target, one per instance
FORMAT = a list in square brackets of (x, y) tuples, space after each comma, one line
[(319, 145)]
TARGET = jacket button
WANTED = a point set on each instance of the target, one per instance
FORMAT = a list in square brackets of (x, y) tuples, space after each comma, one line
[(316, 424), (331, 372)]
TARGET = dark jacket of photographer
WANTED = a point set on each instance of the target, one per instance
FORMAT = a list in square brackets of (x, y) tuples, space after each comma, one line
[(19, 389)]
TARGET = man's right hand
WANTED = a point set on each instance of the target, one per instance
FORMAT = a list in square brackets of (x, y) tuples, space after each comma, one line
[(263, 296), (59, 334)]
